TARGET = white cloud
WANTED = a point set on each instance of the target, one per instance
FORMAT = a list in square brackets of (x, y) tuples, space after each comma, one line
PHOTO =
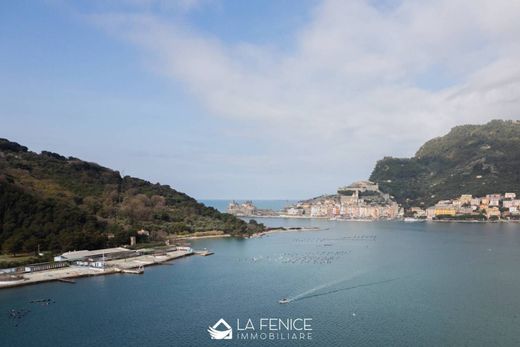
[(348, 92)]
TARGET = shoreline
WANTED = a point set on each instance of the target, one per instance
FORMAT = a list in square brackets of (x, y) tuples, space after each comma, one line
[(385, 220), (282, 230), (117, 266), (283, 217), (203, 237), (475, 221)]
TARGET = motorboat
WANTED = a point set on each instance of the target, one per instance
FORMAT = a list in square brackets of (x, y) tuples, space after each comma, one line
[(283, 301)]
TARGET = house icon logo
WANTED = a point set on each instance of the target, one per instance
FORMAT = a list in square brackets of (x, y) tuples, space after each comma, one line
[(221, 331)]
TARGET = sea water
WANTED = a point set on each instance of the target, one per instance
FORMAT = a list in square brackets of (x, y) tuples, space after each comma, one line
[(360, 283)]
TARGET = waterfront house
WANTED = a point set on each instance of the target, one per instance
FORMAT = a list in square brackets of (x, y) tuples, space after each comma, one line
[(475, 201), (494, 196), (294, 211), (494, 199), (464, 210), (445, 208), (430, 212), (465, 199), (492, 212), (494, 202), (418, 212), (445, 211)]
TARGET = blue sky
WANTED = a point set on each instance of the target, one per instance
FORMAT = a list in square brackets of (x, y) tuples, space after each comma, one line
[(251, 99)]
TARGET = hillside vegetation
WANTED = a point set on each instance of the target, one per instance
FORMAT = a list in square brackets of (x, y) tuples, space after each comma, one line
[(470, 159), (64, 203)]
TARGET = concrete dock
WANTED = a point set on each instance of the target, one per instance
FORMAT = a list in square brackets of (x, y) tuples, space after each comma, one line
[(66, 274)]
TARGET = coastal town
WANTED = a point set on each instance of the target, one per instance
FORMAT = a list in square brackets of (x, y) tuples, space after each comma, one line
[(491, 207), (363, 200), (360, 200)]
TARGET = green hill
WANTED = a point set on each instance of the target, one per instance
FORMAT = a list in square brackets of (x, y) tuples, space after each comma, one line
[(64, 203), (470, 159)]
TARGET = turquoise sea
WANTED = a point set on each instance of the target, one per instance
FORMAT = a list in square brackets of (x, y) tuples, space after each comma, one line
[(361, 283)]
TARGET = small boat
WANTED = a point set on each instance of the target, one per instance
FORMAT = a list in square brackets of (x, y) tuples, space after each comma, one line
[(138, 271), (66, 280), (283, 301)]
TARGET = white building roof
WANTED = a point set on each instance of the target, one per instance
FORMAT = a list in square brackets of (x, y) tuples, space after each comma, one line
[(97, 252)]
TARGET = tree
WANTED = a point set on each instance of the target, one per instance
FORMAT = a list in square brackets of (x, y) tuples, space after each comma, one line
[(13, 244), (31, 245)]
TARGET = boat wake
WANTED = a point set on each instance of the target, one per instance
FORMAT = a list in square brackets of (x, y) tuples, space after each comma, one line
[(345, 288), (314, 292), (315, 289)]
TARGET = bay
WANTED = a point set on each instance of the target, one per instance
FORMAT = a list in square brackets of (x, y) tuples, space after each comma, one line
[(361, 283)]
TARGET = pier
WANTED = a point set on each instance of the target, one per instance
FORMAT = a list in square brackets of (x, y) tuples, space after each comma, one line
[(77, 269)]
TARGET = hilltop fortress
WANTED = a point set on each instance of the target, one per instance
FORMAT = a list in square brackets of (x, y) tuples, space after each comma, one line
[(359, 200)]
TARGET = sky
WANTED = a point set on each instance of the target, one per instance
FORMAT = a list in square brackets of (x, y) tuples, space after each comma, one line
[(282, 99)]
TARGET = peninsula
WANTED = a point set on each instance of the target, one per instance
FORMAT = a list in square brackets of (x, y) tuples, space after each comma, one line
[(50, 204), (470, 174)]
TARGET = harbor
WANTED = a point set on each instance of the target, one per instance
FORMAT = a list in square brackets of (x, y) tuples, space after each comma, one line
[(351, 270), (71, 265)]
